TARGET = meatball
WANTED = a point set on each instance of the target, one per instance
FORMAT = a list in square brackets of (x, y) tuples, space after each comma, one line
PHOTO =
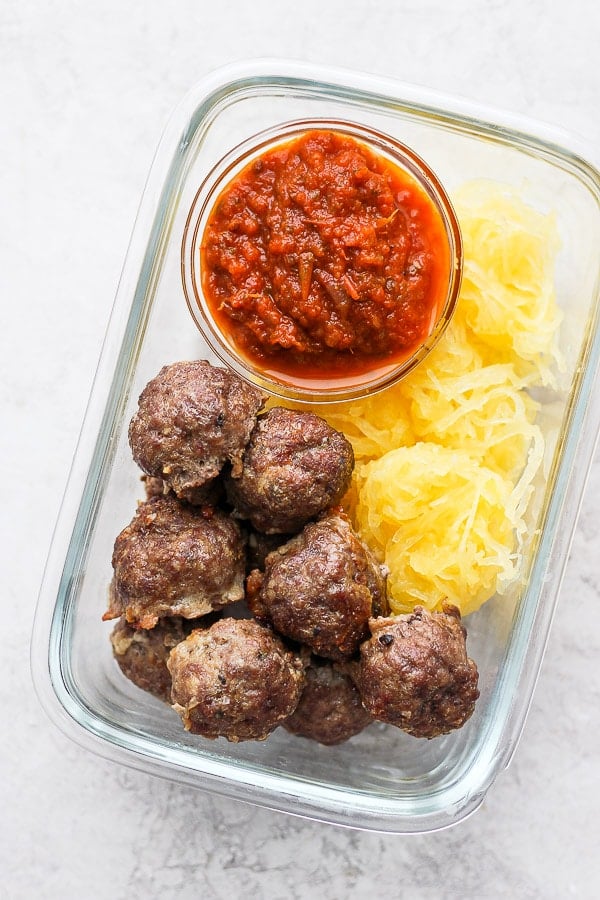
[(330, 710), (142, 654), (295, 466), (414, 672), (235, 680), (192, 419), (175, 560), (320, 588)]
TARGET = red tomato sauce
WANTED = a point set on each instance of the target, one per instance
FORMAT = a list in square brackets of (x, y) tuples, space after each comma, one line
[(321, 259)]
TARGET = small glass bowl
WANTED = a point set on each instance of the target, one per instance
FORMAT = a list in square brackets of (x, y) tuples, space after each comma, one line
[(307, 388)]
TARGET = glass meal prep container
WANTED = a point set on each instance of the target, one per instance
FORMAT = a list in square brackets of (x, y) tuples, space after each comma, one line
[(382, 779)]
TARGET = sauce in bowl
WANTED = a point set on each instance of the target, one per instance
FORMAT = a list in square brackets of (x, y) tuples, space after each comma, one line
[(325, 264)]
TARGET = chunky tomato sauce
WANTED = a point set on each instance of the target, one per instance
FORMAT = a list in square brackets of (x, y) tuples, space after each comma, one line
[(323, 259)]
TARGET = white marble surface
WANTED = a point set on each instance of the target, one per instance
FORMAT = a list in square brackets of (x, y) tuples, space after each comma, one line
[(85, 91)]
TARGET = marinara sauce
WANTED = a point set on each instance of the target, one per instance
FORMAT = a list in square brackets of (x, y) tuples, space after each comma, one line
[(322, 258)]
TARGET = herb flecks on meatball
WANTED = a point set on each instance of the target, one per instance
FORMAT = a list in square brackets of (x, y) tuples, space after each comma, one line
[(234, 680), (415, 673), (320, 588), (192, 419), (330, 709), (295, 466), (175, 560)]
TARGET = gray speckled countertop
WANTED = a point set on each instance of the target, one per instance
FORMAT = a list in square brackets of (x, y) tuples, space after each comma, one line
[(86, 90)]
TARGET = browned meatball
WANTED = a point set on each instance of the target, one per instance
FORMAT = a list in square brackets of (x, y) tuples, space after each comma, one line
[(191, 419), (320, 588), (142, 654), (414, 672), (295, 466), (330, 710), (174, 560), (234, 680)]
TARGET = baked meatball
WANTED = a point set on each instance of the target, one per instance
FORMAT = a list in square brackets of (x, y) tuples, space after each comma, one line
[(235, 680), (175, 560), (192, 419), (330, 710), (320, 588), (142, 654), (295, 466), (414, 672)]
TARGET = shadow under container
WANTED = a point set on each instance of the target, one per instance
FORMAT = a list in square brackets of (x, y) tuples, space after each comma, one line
[(382, 779)]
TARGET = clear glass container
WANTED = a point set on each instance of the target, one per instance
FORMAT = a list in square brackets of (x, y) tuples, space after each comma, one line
[(382, 779), (342, 387)]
